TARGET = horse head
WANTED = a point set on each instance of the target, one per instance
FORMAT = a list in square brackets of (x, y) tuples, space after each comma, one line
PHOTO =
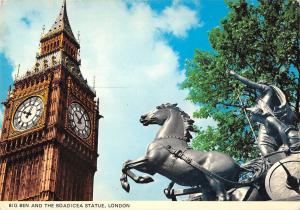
[(157, 116), (163, 112)]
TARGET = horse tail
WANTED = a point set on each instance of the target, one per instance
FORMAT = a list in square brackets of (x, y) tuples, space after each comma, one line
[(253, 170)]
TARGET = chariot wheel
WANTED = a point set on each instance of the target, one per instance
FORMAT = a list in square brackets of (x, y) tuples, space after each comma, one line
[(283, 179)]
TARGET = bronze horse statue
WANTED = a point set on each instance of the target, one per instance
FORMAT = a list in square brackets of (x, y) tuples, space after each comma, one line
[(169, 155)]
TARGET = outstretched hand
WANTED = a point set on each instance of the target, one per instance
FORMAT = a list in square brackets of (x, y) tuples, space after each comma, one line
[(285, 148), (231, 72), (252, 109)]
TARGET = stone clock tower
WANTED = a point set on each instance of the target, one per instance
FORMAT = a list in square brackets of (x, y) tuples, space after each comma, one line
[(48, 146)]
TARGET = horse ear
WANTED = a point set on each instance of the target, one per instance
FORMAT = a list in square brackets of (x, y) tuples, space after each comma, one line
[(158, 107), (191, 128), (191, 121), (174, 105)]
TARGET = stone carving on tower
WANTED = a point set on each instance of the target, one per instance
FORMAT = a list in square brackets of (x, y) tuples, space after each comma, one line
[(48, 146)]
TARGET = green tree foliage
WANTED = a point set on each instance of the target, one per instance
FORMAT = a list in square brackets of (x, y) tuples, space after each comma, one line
[(260, 42)]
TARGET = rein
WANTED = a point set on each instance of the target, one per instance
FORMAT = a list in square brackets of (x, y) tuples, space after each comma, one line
[(180, 154), (172, 137), (294, 149)]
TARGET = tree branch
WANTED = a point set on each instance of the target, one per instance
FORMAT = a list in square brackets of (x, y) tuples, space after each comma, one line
[(232, 105)]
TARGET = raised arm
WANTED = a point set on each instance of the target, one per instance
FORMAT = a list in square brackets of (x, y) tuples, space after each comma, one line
[(248, 82)]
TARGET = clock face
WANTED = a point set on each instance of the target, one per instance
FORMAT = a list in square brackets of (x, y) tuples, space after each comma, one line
[(28, 113), (79, 120)]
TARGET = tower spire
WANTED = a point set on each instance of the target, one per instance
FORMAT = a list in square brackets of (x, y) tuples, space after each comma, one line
[(61, 24), (60, 36)]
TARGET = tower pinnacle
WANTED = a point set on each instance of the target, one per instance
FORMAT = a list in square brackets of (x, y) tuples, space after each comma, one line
[(60, 37), (61, 24)]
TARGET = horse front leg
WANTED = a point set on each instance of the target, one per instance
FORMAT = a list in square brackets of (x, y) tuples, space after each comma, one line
[(169, 192), (140, 164)]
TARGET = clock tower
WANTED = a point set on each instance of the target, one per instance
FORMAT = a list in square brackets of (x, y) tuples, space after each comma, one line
[(48, 145)]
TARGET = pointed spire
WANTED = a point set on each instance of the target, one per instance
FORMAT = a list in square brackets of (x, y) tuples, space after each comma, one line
[(43, 30), (94, 82), (78, 36), (18, 71), (61, 23)]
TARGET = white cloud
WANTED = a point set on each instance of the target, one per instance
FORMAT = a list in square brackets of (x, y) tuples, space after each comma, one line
[(127, 50), (178, 24), (19, 41)]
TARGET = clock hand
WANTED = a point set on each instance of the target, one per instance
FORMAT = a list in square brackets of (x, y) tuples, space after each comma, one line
[(80, 119), (26, 113), (29, 112), (77, 118)]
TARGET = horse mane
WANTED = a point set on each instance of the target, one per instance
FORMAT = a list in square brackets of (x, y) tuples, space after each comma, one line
[(188, 122)]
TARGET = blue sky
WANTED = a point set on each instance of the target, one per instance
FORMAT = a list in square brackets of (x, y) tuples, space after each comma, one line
[(136, 50)]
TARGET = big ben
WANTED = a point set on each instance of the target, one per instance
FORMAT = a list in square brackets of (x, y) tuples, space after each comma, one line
[(48, 145)]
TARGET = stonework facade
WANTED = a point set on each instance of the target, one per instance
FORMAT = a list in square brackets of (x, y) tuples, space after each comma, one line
[(48, 145)]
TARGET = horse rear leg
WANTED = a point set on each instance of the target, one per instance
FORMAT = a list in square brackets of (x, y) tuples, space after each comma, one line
[(219, 188)]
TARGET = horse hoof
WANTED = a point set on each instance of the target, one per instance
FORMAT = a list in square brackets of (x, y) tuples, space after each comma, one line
[(222, 198), (125, 186), (145, 179), (169, 193)]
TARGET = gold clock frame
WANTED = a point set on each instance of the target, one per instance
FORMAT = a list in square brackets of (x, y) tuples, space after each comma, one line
[(43, 94)]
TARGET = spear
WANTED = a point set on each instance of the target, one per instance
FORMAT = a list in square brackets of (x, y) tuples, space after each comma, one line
[(244, 110)]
